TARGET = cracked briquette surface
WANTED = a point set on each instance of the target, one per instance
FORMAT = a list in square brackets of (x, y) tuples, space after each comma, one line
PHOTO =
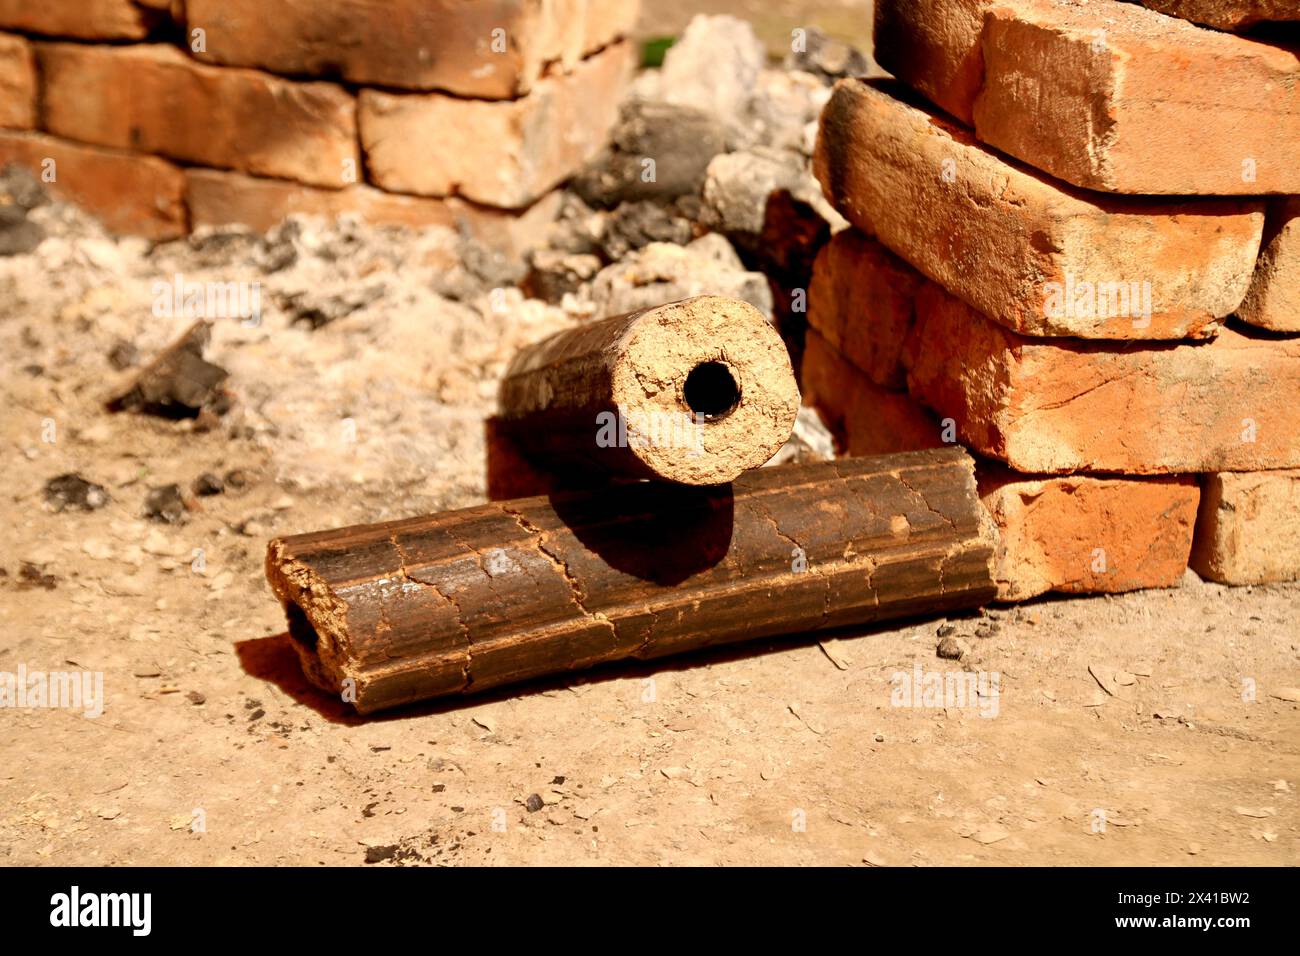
[(786, 551)]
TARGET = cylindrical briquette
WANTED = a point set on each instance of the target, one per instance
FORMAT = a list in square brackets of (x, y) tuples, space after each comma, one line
[(459, 602), (693, 392)]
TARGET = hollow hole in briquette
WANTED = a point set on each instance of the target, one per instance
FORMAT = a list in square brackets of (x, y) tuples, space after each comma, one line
[(711, 391), (300, 628)]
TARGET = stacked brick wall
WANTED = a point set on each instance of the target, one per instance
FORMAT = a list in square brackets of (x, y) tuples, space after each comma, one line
[(162, 115), (1075, 248)]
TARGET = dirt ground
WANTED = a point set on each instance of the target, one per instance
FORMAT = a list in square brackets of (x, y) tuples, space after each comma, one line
[(212, 749)]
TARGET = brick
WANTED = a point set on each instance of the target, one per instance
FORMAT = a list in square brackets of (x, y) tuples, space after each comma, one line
[(866, 418), (1273, 301), (155, 99), (1080, 534), (1164, 108), (503, 154), (218, 198), (83, 19), (130, 194), (1247, 532), (1227, 14), (17, 83), (1026, 251), (1108, 96), (860, 301), (933, 46), (412, 44), (1064, 405)]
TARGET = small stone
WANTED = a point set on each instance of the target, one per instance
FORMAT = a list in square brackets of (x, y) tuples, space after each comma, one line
[(165, 504), (377, 854), (554, 274), (179, 383), (946, 630), (534, 802), (714, 66), (72, 491), (208, 484), (680, 139), (664, 272), (238, 478), (195, 698), (827, 57), (949, 648), (20, 192), (123, 355), (315, 310), (33, 576), (634, 225)]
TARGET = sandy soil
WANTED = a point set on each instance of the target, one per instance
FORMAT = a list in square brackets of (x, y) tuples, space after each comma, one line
[(212, 749)]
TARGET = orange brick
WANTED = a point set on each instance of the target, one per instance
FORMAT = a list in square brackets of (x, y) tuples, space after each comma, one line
[(503, 154), (1040, 257), (221, 198), (155, 99), (412, 44), (1227, 14), (1080, 534), (82, 19), (17, 83), (128, 193), (865, 418), (860, 301), (1063, 405), (1108, 95), (1247, 532), (933, 46), (1273, 301)]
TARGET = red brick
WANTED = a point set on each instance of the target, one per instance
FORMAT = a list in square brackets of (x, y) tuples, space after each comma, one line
[(1248, 532), (412, 44), (82, 19), (155, 99), (17, 83), (1108, 96), (1081, 534), (860, 301), (1010, 241), (866, 418), (933, 46), (503, 154), (222, 198), (1227, 14), (1063, 405), (128, 193), (1273, 301)]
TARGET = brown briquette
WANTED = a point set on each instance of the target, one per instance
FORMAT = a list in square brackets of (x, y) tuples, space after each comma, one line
[(455, 603), (695, 392)]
